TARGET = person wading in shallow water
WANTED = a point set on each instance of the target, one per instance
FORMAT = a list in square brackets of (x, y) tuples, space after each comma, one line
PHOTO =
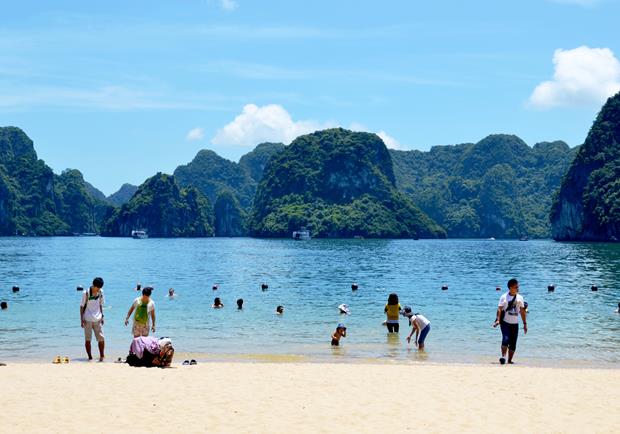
[(510, 306), (145, 308), (91, 317)]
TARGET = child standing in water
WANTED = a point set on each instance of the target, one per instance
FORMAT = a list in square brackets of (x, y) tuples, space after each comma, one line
[(341, 332), (392, 309)]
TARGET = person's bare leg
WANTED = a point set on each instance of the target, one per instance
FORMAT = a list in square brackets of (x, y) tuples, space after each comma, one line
[(101, 350), (87, 345), (510, 356)]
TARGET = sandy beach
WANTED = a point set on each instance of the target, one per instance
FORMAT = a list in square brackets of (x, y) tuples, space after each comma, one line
[(307, 397)]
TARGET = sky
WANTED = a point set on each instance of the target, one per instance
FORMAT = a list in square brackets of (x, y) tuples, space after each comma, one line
[(123, 89)]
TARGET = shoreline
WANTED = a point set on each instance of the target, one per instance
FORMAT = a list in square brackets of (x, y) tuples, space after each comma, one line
[(306, 397)]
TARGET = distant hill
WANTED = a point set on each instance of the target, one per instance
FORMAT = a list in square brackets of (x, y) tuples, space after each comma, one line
[(338, 183), (95, 192), (587, 207), (499, 187), (35, 201), (164, 210), (123, 195), (254, 162)]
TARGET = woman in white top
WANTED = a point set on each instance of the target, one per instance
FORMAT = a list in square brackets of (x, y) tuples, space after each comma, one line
[(419, 324)]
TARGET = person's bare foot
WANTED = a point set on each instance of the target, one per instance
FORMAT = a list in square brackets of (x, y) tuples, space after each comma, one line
[(101, 359)]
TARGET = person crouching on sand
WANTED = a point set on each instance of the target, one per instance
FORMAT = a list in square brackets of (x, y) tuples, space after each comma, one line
[(419, 325), (341, 332), (144, 308)]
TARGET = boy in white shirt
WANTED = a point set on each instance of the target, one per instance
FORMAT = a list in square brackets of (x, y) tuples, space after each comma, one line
[(91, 317)]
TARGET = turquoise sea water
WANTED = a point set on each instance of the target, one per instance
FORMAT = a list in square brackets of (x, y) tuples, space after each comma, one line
[(310, 279)]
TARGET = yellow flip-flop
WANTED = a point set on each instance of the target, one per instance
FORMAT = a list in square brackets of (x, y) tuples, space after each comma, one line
[(56, 360), (65, 359)]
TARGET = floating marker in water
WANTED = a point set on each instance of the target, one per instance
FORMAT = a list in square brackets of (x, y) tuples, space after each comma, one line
[(80, 288), (264, 286), (444, 287), (594, 288), (354, 287), (550, 288), (16, 289)]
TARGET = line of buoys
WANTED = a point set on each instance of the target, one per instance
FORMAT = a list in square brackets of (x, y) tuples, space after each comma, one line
[(4, 305), (354, 286), (16, 289), (79, 288), (264, 286), (444, 287), (594, 288), (551, 288)]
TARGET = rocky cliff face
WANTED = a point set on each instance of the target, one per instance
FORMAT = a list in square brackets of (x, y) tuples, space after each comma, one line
[(164, 210), (123, 195), (338, 183), (229, 217), (587, 207)]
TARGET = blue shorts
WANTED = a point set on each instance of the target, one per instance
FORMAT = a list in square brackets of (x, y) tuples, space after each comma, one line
[(423, 334)]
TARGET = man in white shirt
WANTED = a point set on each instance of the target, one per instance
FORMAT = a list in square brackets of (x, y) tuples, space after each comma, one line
[(91, 317), (510, 306)]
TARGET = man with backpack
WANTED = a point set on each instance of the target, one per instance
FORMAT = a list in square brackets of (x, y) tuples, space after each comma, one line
[(510, 306), (91, 317)]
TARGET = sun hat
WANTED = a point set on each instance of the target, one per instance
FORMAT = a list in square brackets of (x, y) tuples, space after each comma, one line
[(341, 326), (344, 308)]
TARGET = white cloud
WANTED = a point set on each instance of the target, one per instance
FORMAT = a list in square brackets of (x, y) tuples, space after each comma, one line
[(229, 5), (272, 123), (583, 76), (195, 134), (269, 123)]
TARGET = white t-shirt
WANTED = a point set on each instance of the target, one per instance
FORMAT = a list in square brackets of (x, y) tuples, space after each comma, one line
[(511, 316), (94, 306), (141, 316), (420, 320)]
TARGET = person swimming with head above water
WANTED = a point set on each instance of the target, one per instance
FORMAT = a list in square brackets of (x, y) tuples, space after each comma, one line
[(171, 293), (217, 303), (279, 310)]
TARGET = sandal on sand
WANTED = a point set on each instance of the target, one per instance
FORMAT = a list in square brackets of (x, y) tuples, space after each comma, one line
[(119, 360), (65, 359), (502, 360), (186, 362), (193, 362), (56, 360)]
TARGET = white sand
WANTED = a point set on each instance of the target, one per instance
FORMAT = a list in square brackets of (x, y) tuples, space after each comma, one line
[(307, 397)]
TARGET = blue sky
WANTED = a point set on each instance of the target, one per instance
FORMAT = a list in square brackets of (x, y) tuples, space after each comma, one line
[(123, 89)]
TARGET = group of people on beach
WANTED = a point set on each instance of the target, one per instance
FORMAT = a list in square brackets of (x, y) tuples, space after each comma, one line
[(92, 317)]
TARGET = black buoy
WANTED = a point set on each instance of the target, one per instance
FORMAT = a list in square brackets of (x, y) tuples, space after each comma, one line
[(215, 287), (80, 288), (354, 287), (264, 286), (550, 288), (594, 288), (444, 287), (16, 289), (4, 305)]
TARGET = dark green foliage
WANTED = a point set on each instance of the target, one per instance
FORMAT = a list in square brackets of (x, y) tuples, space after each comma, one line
[(123, 195), (588, 204), (339, 184), (164, 210), (211, 174), (498, 187), (254, 162), (229, 217), (94, 192), (75, 205)]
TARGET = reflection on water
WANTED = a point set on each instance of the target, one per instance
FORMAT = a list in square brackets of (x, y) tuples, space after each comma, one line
[(310, 279)]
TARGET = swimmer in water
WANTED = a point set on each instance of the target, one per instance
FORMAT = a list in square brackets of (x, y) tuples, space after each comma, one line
[(279, 310), (171, 293), (217, 303)]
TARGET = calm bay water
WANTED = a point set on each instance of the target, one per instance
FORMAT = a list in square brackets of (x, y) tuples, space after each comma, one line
[(311, 279)]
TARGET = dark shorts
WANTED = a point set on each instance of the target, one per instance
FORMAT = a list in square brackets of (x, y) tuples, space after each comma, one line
[(423, 334), (335, 342), (510, 333), (392, 327)]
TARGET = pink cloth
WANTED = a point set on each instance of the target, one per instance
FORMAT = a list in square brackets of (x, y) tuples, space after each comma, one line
[(141, 343)]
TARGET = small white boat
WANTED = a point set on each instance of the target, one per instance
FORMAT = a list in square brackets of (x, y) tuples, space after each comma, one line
[(301, 235), (139, 234)]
